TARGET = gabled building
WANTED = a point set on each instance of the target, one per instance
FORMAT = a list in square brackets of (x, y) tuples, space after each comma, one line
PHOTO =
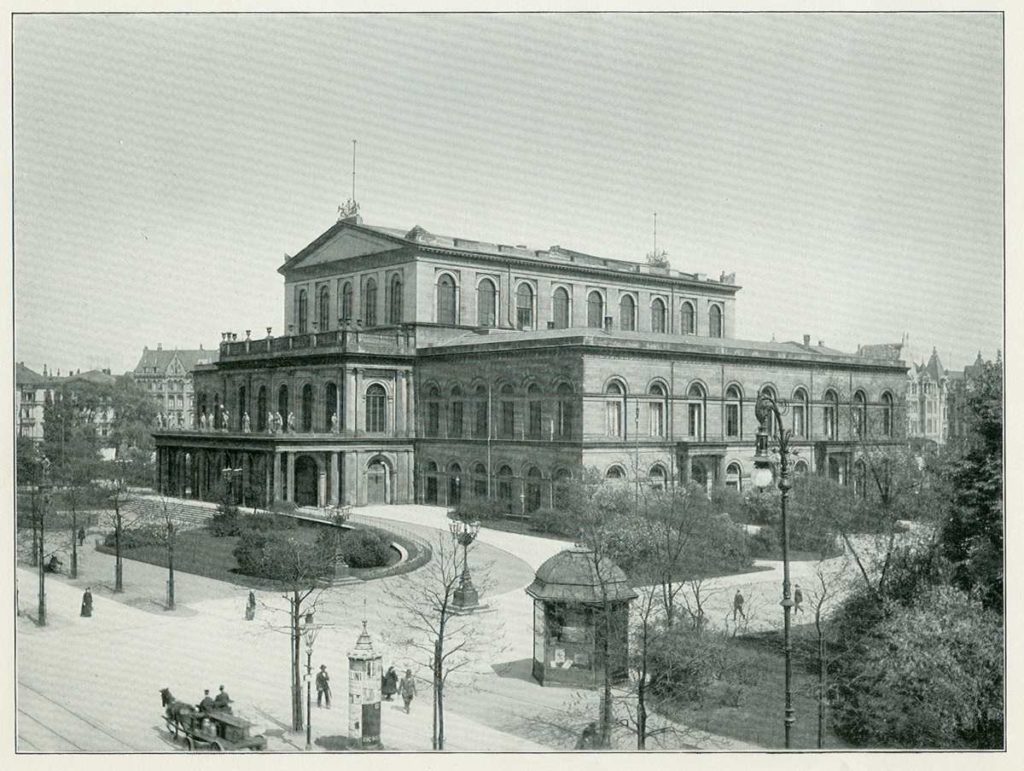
[(419, 367), (31, 391), (167, 375)]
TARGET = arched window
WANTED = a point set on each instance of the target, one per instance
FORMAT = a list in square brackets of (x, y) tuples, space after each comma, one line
[(860, 414), (657, 410), (887, 414), (595, 310), (560, 308), (657, 315), (486, 302), (346, 302), (627, 313), (479, 481), (433, 427), (261, 409), (733, 411), (454, 484), (481, 424), (615, 409), (505, 485), (324, 309), (657, 477), (524, 306), (330, 405), (303, 312), (376, 408), (830, 414), (430, 479), (507, 426), (282, 406), (395, 300), (535, 427), (370, 303), (307, 407), (615, 472), (564, 423), (770, 426), (860, 479), (533, 488), (447, 308), (715, 321), (734, 477), (688, 319), (696, 397), (455, 411), (800, 413)]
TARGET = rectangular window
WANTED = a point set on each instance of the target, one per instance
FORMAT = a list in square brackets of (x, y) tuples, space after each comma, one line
[(657, 419), (508, 419), (732, 420), (481, 420)]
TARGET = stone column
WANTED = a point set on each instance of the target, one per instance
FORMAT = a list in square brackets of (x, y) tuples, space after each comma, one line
[(400, 403), (351, 479), (290, 493), (335, 480), (410, 406), (350, 400), (321, 487), (268, 478), (246, 475), (278, 489)]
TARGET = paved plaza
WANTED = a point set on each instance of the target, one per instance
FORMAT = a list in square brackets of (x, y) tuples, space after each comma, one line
[(92, 684)]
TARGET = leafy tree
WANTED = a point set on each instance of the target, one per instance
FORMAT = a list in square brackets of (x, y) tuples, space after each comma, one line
[(972, 536), (928, 675), (134, 414)]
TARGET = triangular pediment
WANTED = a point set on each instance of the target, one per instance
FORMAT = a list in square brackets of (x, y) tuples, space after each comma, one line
[(345, 244)]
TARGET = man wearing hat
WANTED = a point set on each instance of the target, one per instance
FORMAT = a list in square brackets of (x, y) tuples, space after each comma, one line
[(323, 686)]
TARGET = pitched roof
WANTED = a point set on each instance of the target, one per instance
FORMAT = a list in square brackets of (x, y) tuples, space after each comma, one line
[(161, 358), (93, 376), (934, 366), (23, 376), (891, 351)]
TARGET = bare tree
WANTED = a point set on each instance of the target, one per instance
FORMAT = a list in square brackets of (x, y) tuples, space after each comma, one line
[(170, 526), (121, 517), (829, 581), (425, 603)]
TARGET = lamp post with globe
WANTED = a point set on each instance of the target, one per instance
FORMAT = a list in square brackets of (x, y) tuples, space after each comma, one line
[(465, 598), (769, 413)]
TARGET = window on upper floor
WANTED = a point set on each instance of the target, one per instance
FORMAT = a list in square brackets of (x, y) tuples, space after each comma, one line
[(560, 308), (688, 318), (376, 408), (615, 409), (595, 310), (656, 409), (325, 309), (486, 303), (303, 312), (395, 300), (370, 303), (524, 306), (508, 412), (715, 325), (346, 302), (627, 313), (658, 315), (887, 422), (563, 425), (696, 400), (535, 422), (800, 413), (455, 413), (447, 305), (830, 414), (733, 411)]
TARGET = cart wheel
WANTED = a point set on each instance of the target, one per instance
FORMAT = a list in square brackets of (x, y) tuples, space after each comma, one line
[(218, 746), (190, 744)]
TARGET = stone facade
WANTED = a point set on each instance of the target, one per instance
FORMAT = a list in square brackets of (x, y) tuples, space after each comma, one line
[(427, 368), (167, 375)]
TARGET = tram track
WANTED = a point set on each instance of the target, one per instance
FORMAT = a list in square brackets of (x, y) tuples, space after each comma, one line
[(93, 726)]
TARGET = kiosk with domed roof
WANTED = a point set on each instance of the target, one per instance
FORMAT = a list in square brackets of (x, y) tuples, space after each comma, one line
[(569, 594)]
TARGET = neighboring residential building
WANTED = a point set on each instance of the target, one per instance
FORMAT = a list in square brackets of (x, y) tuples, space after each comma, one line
[(928, 400), (959, 388), (167, 375), (420, 367), (31, 390)]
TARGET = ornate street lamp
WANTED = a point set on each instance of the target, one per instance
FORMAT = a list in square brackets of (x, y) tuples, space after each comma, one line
[(765, 409), (309, 632), (465, 598)]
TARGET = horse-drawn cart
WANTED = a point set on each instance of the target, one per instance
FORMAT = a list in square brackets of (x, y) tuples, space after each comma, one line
[(215, 730)]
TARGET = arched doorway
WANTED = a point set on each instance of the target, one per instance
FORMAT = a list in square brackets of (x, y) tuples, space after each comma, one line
[(306, 477), (378, 482)]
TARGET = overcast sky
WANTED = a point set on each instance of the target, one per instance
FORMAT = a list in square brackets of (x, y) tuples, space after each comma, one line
[(848, 168)]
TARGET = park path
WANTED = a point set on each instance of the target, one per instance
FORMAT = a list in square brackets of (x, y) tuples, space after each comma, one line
[(76, 673)]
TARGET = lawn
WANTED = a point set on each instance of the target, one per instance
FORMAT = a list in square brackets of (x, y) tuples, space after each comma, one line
[(758, 717), (201, 553)]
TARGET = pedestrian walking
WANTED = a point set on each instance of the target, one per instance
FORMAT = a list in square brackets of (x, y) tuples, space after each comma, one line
[(408, 689), (737, 606), (588, 739), (81, 536), (87, 603), (389, 684), (798, 599), (250, 607), (323, 687)]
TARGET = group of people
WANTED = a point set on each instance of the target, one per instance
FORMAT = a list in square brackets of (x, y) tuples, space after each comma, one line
[(219, 703), (406, 687)]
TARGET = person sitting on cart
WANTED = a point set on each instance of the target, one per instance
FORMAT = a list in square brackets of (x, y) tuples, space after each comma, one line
[(222, 701), (207, 705)]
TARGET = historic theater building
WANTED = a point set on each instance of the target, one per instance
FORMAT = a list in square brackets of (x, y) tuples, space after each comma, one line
[(425, 368)]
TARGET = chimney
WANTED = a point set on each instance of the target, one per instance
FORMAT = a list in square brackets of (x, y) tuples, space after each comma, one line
[(807, 339)]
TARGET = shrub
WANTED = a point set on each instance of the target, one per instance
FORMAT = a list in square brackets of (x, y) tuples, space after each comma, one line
[(479, 509), (683, 664), (133, 538), (555, 522), (364, 549), (249, 551), (226, 521)]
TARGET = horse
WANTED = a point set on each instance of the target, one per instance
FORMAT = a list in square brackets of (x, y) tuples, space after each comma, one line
[(178, 712)]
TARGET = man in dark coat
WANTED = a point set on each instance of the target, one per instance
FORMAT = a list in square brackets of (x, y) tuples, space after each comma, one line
[(222, 701), (323, 686), (207, 704), (87, 603), (389, 684)]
